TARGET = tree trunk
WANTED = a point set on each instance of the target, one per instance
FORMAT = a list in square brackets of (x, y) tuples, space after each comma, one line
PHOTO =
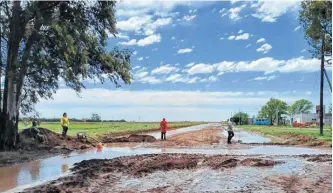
[(9, 115)]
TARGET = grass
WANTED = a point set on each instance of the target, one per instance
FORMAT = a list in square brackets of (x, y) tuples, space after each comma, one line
[(98, 129), (282, 130)]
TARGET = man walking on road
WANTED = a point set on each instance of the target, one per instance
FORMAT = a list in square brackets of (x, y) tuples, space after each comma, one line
[(230, 132), (164, 126)]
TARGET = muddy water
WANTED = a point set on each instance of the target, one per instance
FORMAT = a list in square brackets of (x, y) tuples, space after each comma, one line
[(247, 137), (21, 176)]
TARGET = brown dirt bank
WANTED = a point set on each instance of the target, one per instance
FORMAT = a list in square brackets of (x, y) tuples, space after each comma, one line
[(89, 173), (30, 149)]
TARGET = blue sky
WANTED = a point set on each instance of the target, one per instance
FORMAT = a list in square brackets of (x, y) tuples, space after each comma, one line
[(201, 61)]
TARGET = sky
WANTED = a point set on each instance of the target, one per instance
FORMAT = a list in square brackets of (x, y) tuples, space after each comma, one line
[(200, 61)]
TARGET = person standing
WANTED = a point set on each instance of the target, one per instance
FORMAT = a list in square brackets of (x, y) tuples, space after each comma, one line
[(64, 123), (163, 126), (230, 132)]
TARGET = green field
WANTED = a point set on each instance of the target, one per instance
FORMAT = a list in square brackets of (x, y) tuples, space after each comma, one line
[(281, 130), (100, 128)]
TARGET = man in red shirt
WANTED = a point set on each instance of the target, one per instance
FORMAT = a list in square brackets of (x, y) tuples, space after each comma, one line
[(163, 126)]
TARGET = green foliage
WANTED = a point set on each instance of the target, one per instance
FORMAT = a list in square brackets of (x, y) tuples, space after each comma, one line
[(244, 117), (60, 40), (300, 106), (95, 117), (273, 109), (316, 19)]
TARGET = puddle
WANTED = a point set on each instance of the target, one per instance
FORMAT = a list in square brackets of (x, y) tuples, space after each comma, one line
[(247, 137)]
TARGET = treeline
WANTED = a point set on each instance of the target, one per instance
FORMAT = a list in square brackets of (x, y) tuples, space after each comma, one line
[(71, 119)]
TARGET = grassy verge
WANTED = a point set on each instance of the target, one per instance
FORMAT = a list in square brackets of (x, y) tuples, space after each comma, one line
[(280, 131), (98, 129)]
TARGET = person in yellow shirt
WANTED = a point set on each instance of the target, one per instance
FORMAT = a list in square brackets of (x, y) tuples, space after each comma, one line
[(64, 123)]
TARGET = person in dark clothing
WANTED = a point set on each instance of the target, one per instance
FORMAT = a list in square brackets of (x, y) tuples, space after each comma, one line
[(230, 132)]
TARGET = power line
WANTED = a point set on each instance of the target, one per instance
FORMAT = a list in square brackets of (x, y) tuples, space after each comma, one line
[(314, 84)]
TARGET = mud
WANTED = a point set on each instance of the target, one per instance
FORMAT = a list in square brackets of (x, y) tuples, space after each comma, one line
[(89, 172), (131, 138), (30, 149)]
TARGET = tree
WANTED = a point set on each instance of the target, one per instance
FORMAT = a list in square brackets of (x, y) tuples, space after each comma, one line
[(316, 19), (244, 118), (273, 110), (45, 41), (95, 117), (300, 106)]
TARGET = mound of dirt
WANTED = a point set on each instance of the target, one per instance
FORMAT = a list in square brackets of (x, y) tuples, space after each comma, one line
[(320, 158), (131, 138), (52, 141)]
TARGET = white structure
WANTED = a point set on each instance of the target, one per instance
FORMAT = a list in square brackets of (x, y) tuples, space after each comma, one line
[(304, 118)]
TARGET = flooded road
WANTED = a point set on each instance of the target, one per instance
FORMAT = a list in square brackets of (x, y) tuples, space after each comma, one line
[(18, 177)]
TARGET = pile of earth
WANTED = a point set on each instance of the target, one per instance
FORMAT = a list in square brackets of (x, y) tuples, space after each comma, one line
[(47, 139), (88, 173), (131, 138)]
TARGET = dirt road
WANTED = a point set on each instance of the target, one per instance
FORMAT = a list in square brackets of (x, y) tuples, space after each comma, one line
[(218, 168)]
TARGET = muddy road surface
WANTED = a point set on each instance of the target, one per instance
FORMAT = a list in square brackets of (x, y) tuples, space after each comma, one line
[(197, 173), (194, 159)]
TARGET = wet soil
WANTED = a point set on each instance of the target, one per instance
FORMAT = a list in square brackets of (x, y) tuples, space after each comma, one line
[(30, 149), (129, 174), (131, 138), (89, 172)]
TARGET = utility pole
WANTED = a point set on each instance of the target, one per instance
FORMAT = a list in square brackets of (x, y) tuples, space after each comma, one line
[(239, 117), (321, 113)]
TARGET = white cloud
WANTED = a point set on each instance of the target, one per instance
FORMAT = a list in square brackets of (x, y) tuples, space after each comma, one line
[(261, 40), (135, 53), (304, 50), (234, 12), (136, 67), (189, 17), (173, 38), (147, 57), (143, 24), (141, 74), (181, 78), (240, 31), (231, 37), (209, 79), (244, 36), (185, 50), (267, 65), (220, 73), (140, 58), (297, 28), (150, 40), (192, 10), (154, 49), (132, 42), (268, 78), (221, 38), (223, 12), (150, 80), (214, 10), (201, 69), (265, 48), (248, 45), (269, 11), (164, 69)]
